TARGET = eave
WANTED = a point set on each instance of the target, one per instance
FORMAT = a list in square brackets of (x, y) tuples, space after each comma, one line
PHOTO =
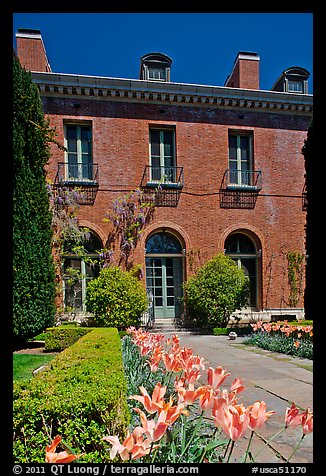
[(134, 90)]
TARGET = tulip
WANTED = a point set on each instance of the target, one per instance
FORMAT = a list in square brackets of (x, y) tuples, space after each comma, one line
[(57, 458), (293, 418), (235, 421), (307, 421), (216, 377), (258, 414), (154, 403), (134, 445), (154, 430)]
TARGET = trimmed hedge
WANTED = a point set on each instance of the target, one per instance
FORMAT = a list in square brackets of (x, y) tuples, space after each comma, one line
[(80, 396), (59, 338)]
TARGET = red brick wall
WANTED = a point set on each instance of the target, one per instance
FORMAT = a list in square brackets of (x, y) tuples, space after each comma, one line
[(121, 148), (32, 55)]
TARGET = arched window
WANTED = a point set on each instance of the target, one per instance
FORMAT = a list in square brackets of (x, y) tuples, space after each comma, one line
[(164, 273), (243, 251), (79, 267)]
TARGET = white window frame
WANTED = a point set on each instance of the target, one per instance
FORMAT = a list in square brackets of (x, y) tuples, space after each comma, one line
[(238, 136), (162, 156), (80, 177)]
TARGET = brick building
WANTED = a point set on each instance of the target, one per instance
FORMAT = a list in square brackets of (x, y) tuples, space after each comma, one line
[(228, 160)]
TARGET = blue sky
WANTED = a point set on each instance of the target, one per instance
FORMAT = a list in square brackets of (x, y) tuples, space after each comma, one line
[(203, 46)]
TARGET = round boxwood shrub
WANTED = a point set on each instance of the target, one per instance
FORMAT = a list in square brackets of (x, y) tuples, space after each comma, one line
[(215, 292), (116, 298)]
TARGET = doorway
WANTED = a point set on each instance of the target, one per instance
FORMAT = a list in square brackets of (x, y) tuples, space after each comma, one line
[(164, 274)]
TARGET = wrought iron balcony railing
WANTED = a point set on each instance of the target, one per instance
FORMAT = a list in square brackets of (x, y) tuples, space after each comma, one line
[(162, 176), (246, 180), (77, 174)]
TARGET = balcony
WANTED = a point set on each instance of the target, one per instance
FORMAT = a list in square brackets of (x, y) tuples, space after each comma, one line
[(240, 188), (162, 176), (81, 176), (163, 183)]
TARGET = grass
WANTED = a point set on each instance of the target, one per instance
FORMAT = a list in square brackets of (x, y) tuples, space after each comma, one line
[(24, 364)]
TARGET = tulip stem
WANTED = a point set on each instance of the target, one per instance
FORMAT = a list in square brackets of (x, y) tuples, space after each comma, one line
[(295, 449), (268, 441), (192, 436), (249, 443), (231, 449)]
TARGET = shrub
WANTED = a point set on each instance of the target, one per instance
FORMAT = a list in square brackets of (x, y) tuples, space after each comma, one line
[(215, 291), (33, 268), (81, 396), (116, 298), (221, 331), (59, 338)]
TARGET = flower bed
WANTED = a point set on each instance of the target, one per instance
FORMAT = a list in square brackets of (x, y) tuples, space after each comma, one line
[(175, 419), (283, 337)]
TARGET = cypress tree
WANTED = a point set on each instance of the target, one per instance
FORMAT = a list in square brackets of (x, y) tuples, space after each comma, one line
[(33, 270)]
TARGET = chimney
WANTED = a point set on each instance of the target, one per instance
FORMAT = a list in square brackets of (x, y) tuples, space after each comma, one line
[(31, 51), (245, 73)]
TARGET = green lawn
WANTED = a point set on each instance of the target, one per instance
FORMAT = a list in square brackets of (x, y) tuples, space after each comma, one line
[(24, 364)]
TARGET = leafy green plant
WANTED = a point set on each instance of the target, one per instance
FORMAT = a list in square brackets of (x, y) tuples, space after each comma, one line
[(215, 291), (296, 263), (81, 396), (116, 298), (59, 338), (33, 268)]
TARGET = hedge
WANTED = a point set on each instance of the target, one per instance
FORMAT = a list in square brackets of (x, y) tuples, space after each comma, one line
[(59, 338), (80, 396)]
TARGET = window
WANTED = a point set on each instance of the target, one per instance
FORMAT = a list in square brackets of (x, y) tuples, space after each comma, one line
[(78, 271), (78, 158), (243, 251), (162, 156), (295, 86), (156, 73), (240, 159)]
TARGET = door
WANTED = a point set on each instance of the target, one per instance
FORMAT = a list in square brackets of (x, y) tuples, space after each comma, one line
[(163, 282)]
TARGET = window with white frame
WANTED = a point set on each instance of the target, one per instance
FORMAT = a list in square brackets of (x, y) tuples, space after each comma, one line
[(78, 155), (240, 159), (162, 155), (295, 86)]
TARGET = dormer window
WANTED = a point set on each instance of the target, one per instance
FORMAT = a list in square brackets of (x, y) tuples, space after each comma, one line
[(155, 67), (293, 80), (295, 86), (157, 73)]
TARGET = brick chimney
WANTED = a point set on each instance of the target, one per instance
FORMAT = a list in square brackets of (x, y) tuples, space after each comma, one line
[(31, 51), (245, 73)]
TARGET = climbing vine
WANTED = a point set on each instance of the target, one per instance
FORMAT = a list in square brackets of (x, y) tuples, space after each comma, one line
[(296, 263)]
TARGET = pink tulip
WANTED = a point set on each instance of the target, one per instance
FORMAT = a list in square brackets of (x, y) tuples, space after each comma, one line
[(216, 377), (234, 420), (258, 414)]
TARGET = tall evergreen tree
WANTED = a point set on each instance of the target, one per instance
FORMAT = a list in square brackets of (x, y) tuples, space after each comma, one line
[(33, 270)]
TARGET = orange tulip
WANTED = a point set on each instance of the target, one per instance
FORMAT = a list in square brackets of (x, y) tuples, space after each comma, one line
[(154, 430), (134, 445), (189, 395), (154, 403), (206, 397), (258, 414), (57, 458)]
